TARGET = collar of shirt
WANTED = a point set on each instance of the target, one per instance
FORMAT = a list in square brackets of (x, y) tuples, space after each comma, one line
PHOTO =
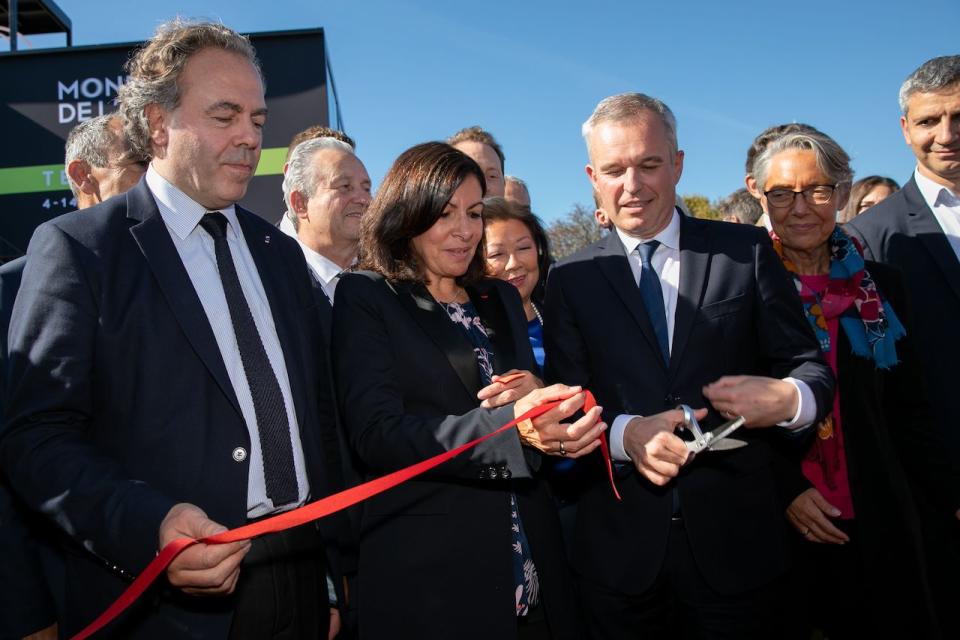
[(936, 195), (669, 236), (325, 268), (286, 225), (180, 213)]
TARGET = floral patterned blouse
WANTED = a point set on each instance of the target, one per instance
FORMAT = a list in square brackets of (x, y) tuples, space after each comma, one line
[(527, 592)]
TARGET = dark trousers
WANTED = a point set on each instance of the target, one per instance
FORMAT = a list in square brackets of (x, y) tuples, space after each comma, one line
[(942, 547), (848, 600), (282, 591), (533, 626), (680, 604)]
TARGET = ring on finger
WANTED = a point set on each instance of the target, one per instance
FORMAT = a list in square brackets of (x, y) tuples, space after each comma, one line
[(563, 451)]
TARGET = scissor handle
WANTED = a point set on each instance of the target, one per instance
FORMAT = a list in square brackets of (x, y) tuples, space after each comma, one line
[(690, 421)]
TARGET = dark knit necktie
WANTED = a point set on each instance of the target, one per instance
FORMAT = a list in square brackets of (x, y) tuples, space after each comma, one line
[(272, 424)]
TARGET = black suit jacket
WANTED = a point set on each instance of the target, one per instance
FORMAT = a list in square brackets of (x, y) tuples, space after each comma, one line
[(903, 231), (435, 553), (886, 418), (120, 406), (737, 313), (26, 602)]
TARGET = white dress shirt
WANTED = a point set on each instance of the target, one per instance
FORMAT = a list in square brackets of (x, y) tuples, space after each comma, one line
[(666, 262), (326, 270), (945, 206), (195, 247)]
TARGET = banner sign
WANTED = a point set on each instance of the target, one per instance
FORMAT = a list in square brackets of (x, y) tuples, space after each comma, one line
[(45, 93)]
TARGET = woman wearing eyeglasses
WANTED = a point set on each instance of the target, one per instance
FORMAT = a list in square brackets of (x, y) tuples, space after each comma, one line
[(848, 495)]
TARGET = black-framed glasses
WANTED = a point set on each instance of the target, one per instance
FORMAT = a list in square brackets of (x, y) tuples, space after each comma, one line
[(818, 194)]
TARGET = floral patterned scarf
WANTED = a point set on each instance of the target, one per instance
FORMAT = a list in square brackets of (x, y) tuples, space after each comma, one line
[(867, 320)]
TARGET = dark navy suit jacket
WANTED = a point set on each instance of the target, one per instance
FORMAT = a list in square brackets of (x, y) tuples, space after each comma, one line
[(120, 406), (737, 313)]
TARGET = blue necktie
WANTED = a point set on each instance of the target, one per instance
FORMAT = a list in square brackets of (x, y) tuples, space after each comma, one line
[(652, 295)]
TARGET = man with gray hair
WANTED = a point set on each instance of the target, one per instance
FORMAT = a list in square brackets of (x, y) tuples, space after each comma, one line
[(516, 190), (167, 374), (670, 310), (100, 162), (740, 207), (327, 190), (918, 230)]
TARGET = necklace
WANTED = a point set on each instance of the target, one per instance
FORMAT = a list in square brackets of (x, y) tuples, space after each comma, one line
[(536, 312)]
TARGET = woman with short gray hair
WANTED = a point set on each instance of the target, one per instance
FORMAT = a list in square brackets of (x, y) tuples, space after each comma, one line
[(849, 498)]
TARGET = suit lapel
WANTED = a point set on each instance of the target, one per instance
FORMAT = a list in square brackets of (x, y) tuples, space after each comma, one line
[(613, 263), (434, 321), (694, 270), (923, 224), (493, 313), (161, 255), (324, 306), (283, 304)]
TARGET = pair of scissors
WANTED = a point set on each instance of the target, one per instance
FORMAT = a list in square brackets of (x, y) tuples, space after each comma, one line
[(716, 440)]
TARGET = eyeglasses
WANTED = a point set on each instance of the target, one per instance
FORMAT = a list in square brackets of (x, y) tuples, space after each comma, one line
[(819, 194)]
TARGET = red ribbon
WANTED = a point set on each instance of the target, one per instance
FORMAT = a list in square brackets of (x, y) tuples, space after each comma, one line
[(313, 511)]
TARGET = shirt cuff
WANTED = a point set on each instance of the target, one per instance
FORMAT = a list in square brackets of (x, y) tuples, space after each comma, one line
[(806, 407), (331, 591), (617, 452)]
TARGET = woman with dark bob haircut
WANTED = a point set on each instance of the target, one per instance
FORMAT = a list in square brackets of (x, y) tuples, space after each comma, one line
[(518, 252), (422, 347)]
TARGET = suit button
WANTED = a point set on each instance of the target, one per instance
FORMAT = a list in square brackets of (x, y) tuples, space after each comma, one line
[(239, 454), (494, 473), (483, 473), (505, 474)]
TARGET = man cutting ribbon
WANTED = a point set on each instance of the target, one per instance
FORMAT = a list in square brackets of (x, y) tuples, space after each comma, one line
[(167, 372)]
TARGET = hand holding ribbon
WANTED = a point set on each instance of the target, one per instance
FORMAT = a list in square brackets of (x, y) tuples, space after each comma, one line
[(344, 499)]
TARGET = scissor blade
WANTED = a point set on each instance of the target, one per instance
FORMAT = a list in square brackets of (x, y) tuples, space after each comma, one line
[(716, 440), (723, 431)]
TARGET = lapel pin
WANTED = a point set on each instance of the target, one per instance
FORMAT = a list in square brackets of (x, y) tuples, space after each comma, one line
[(266, 239)]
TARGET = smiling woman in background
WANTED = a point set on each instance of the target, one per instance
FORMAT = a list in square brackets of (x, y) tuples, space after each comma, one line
[(865, 193), (518, 251)]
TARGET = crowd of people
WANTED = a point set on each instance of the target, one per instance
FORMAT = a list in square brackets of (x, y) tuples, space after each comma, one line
[(174, 365)]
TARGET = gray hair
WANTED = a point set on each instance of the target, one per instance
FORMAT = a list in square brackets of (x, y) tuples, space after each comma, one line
[(300, 174), (155, 68), (742, 205), (517, 181), (933, 75), (626, 106), (832, 160), (92, 141)]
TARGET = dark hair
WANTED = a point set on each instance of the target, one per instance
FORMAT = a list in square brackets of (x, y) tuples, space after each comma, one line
[(860, 190), (500, 209), (478, 134), (768, 135), (410, 200), (319, 131)]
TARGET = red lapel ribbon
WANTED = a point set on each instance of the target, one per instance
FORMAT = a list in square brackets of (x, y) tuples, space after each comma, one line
[(314, 511)]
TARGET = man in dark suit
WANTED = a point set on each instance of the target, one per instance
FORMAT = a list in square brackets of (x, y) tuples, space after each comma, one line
[(918, 230), (327, 190), (665, 310), (99, 164), (167, 375)]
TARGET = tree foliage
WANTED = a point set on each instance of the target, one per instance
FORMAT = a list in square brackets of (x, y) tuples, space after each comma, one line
[(701, 207), (574, 231)]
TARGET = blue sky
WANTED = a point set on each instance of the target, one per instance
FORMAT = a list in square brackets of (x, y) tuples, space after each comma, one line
[(531, 72)]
